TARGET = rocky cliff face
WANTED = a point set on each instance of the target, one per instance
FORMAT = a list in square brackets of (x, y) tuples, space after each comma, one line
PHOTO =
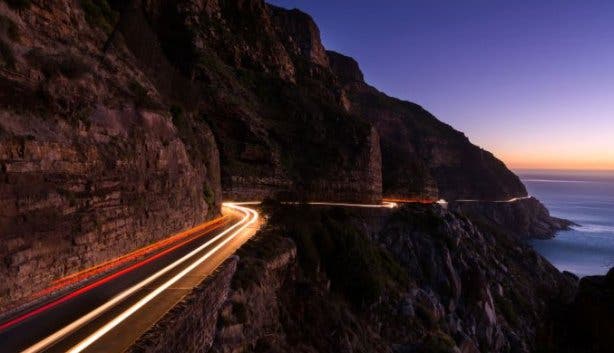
[(106, 108), (91, 162), (425, 280), (289, 115), (266, 92)]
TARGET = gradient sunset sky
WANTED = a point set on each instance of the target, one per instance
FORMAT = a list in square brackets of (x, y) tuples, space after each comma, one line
[(531, 81)]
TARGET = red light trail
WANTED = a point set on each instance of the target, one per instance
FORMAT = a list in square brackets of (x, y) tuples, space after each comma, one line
[(196, 232)]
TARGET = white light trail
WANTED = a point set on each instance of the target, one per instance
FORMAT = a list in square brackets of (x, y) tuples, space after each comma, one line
[(500, 201), (124, 315), (385, 204), (250, 217)]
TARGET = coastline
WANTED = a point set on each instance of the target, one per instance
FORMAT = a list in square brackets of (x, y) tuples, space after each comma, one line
[(586, 198)]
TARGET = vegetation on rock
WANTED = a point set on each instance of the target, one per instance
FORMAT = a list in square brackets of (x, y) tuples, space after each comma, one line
[(99, 13)]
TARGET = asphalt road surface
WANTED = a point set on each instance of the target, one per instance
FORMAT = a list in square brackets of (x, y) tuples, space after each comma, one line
[(109, 314)]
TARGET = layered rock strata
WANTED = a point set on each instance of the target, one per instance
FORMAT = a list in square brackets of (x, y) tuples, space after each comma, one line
[(92, 163)]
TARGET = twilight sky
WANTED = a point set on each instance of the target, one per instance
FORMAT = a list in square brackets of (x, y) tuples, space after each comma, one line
[(531, 81)]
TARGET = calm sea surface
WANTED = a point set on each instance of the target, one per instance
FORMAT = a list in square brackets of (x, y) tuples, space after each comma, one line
[(586, 198)]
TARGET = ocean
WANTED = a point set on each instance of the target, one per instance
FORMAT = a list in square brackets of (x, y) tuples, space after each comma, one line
[(586, 198)]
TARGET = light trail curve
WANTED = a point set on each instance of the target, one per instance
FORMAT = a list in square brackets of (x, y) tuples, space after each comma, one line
[(249, 218), (85, 330)]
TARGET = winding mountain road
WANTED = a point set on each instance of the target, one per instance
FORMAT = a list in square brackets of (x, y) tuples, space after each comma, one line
[(514, 199), (124, 297), (108, 307), (111, 312)]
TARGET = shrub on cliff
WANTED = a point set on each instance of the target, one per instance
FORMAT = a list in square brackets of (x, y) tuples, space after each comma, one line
[(18, 4), (141, 96), (7, 59), (64, 63), (326, 242), (9, 28), (438, 342), (98, 13)]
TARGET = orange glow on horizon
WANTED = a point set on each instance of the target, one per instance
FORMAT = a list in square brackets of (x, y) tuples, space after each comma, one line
[(559, 164), (570, 144), (559, 160)]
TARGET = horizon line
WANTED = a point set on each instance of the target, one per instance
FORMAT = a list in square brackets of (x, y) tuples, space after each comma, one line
[(563, 169)]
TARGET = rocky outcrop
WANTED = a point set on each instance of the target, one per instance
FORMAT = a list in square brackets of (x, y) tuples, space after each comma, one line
[(274, 308), (524, 217), (345, 68), (92, 163), (419, 279), (300, 34), (425, 159), (189, 327)]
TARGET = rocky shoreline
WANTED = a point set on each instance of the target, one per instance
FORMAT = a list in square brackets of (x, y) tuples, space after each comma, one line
[(525, 218)]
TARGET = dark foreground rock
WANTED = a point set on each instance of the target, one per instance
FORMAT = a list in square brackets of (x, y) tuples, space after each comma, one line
[(421, 279), (524, 218), (587, 324)]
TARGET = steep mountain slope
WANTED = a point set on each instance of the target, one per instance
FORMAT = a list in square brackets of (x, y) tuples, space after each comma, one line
[(423, 157), (104, 131), (265, 91), (290, 116)]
